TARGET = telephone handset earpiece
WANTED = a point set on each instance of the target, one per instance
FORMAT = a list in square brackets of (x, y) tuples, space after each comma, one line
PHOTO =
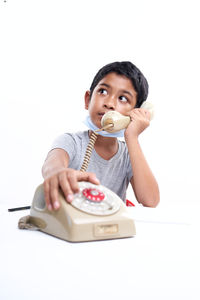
[(148, 106), (118, 121)]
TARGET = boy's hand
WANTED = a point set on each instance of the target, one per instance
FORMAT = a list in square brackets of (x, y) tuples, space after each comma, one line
[(140, 120), (66, 179)]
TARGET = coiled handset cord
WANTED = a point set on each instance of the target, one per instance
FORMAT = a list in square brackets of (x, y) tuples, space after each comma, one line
[(90, 147)]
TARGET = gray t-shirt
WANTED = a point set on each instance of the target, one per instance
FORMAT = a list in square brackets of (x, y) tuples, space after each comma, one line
[(114, 173)]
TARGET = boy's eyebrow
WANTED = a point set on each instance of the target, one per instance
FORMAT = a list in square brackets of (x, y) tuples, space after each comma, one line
[(123, 91), (105, 84), (127, 92)]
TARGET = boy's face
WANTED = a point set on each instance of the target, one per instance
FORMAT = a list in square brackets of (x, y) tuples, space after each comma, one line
[(113, 93)]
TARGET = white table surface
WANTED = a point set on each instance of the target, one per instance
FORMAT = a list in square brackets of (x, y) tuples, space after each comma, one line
[(160, 262)]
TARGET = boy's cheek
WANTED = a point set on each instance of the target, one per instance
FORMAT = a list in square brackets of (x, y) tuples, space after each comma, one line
[(126, 111), (95, 121)]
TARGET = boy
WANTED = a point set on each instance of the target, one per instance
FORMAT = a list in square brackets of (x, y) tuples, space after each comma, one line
[(119, 86)]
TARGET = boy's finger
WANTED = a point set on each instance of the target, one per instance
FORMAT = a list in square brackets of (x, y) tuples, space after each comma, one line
[(54, 194), (73, 182), (87, 176), (46, 195), (148, 114), (65, 187)]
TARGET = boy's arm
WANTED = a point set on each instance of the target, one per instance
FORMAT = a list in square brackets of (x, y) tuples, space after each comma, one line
[(57, 175), (143, 182)]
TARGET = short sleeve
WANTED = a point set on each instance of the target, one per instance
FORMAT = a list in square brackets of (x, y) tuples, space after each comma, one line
[(66, 142)]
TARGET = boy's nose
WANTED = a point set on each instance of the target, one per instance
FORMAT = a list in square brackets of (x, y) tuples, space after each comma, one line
[(110, 103)]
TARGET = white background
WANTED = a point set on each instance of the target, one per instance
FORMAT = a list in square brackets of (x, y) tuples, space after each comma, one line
[(49, 54)]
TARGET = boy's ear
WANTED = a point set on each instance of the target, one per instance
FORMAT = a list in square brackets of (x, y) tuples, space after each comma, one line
[(87, 99)]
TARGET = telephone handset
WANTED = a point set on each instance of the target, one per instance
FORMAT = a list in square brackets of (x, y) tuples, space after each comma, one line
[(96, 213), (113, 121)]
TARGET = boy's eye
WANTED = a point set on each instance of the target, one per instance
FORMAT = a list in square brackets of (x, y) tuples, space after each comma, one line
[(123, 99), (102, 91)]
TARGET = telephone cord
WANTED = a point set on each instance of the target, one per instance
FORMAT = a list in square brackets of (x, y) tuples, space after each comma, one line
[(88, 151), (90, 147)]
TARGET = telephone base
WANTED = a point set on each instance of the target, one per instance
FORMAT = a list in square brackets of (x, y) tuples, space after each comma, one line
[(74, 225)]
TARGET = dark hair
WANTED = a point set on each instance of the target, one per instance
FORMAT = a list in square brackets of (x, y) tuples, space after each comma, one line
[(129, 70)]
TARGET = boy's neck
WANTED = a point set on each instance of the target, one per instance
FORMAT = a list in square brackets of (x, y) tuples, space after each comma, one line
[(106, 141), (106, 147)]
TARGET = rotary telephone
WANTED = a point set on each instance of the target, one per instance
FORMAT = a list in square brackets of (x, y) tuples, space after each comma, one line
[(96, 213)]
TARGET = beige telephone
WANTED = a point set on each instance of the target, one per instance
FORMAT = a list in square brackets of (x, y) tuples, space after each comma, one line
[(96, 213)]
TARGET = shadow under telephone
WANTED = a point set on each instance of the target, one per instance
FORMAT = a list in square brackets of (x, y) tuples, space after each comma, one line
[(96, 213)]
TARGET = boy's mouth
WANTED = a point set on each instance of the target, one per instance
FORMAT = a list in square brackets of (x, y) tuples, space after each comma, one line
[(101, 114)]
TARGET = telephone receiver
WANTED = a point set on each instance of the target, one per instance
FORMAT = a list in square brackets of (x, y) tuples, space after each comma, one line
[(118, 121)]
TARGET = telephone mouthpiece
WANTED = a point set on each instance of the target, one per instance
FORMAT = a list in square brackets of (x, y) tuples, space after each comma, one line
[(116, 119)]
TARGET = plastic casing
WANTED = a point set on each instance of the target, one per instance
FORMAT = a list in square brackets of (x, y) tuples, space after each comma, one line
[(72, 224)]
